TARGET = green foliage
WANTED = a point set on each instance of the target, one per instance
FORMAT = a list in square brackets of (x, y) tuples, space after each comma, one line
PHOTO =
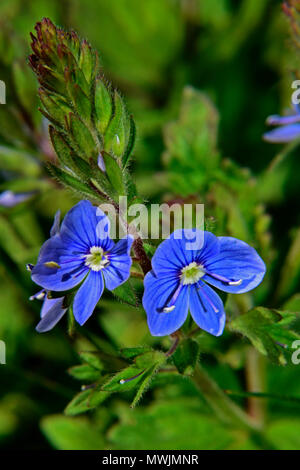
[(191, 143), (284, 434), (168, 425), (269, 331), (71, 434)]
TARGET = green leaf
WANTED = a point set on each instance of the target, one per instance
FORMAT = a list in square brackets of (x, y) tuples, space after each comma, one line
[(25, 86), (125, 380), (138, 374), (63, 150), (144, 385), (103, 106), (88, 61), (268, 330), (150, 358), (18, 161), (83, 138), (170, 424), (115, 136), (126, 293), (81, 101), (130, 353), (79, 404), (186, 356), (66, 433), (191, 155), (57, 109), (284, 434), (84, 372), (71, 182), (93, 358), (114, 173), (131, 141), (293, 304)]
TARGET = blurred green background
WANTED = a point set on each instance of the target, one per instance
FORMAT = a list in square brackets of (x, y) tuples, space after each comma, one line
[(200, 77)]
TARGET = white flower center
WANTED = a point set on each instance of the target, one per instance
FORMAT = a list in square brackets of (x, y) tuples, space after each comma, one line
[(192, 273), (96, 259)]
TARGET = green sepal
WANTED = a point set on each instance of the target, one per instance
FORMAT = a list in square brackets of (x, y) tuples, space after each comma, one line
[(114, 173), (82, 137), (103, 106), (88, 61), (73, 183), (186, 356), (56, 107)]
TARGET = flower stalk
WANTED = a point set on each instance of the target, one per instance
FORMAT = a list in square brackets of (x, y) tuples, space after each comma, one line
[(224, 407)]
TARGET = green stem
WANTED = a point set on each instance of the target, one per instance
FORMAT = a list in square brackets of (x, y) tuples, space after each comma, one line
[(280, 157), (224, 407), (255, 378)]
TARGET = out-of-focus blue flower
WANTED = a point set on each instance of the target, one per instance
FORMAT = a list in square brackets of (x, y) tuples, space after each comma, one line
[(179, 280), (288, 130), (10, 199), (81, 252)]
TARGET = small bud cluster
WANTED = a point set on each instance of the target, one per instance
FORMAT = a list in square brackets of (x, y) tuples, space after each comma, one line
[(87, 117)]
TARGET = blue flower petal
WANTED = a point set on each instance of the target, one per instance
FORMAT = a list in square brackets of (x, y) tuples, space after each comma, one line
[(56, 224), (174, 253), (236, 261), (88, 296), (52, 311), (70, 273), (79, 226), (85, 226), (276, 120), (207, 309), (158, 292), (118, 271), (283, 134)]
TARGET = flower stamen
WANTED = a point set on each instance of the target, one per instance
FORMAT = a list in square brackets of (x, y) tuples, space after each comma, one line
[(192, 273), (224, 279), (171, 304), (96, 259)]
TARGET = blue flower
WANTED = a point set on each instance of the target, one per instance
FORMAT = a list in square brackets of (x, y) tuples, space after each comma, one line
[(179, 280), (10, 199), (81, 252), (288, 130)]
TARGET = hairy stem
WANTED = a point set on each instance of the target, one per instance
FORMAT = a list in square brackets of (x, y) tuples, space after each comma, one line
[(176, 338), (141, 255)]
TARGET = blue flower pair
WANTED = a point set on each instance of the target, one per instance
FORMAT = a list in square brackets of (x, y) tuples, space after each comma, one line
[(80, 253)]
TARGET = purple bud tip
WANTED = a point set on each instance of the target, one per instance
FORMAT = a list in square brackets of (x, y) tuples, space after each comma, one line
[(101, 163)]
